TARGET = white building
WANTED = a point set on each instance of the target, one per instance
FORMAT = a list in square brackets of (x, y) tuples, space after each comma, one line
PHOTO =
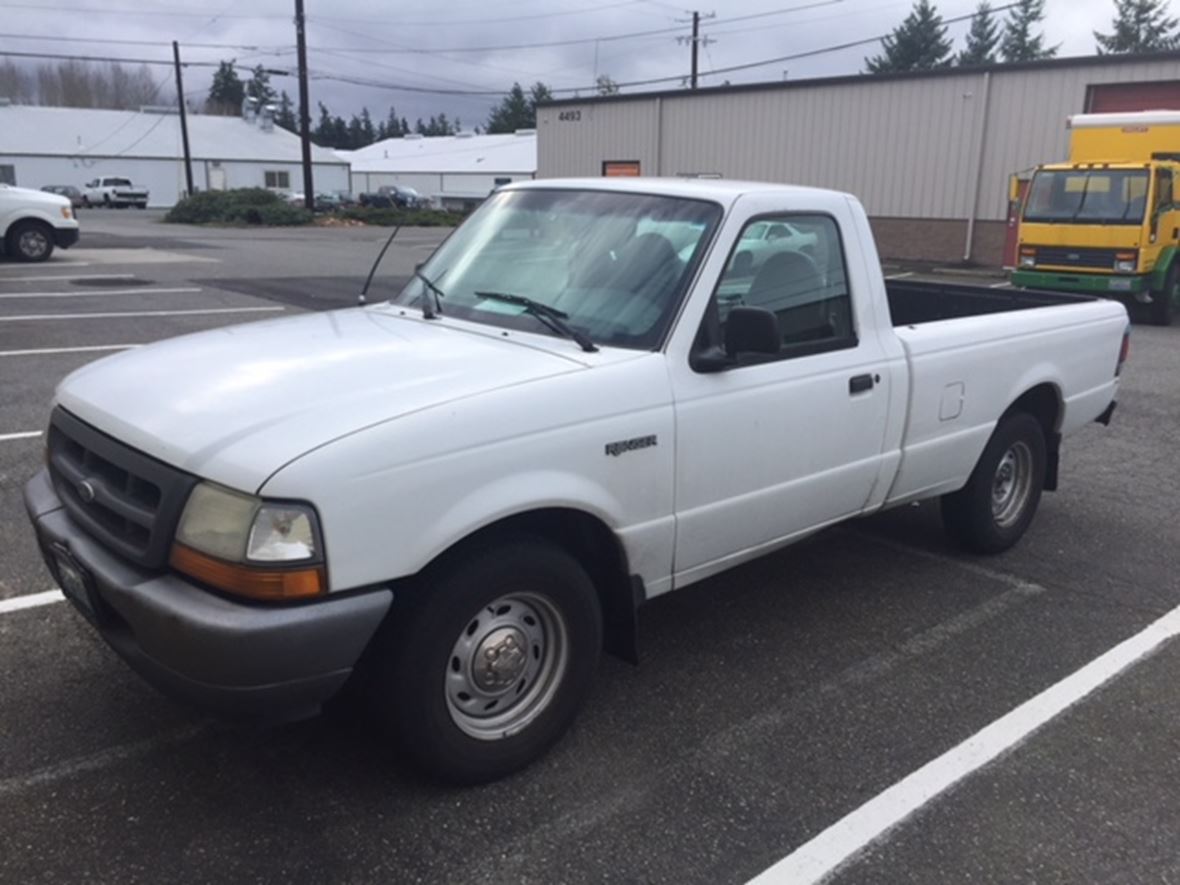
[(40, 146), (455, 171)]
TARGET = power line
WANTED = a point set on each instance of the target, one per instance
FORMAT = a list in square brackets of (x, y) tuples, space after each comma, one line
[(137, 11), (414, 50), (57, 39), (443, 23), (131, 61)]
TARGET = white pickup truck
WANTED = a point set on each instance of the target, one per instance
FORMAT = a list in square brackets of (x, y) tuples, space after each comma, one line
[(114, 192), (459, 496), (33, 223)]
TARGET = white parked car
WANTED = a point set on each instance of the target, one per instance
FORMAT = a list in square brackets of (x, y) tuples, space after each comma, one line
[(466, 492), (34, 223), (114, 192)]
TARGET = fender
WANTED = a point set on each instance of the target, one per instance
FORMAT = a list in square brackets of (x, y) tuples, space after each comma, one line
[(1163, 264)]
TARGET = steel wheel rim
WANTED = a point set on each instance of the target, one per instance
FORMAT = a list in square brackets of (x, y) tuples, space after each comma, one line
[(1012, 485), (33, 243), (506, 666)]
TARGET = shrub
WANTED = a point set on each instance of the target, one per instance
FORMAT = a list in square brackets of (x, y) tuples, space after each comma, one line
[(408, 217), (253, 205)]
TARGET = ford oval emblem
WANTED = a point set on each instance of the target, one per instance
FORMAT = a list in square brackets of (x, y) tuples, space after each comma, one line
[(85, 491)]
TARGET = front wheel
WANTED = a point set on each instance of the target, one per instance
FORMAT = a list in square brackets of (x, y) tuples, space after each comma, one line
[(1164, 302), (30, 241), (993, 511), (489, 664)]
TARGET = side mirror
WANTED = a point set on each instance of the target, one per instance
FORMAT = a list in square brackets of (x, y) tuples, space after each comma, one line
[(751, 330)]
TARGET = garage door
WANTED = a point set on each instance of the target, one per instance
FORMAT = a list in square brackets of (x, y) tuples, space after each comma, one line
[(1117, 97)]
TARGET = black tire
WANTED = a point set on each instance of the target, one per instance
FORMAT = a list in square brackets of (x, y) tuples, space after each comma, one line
[(979, 516), (29, 241), (106, 201), (1163, 303), (86, 202), (425, 659)]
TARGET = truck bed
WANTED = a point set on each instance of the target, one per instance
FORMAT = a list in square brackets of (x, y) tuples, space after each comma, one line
[(914, 303)]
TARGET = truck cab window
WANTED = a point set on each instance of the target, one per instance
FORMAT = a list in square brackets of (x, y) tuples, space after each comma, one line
[(792, 266)]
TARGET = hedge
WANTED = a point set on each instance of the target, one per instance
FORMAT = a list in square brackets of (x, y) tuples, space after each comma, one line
[(253, 205)]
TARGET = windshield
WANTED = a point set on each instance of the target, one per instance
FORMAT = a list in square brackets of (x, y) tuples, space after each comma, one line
[(614, 264), (117, 182), (1098, 196)]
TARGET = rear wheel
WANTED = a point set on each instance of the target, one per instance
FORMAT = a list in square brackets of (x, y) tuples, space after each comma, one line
[(995, 508), (1165, 302), (489, 664), (30, 241)]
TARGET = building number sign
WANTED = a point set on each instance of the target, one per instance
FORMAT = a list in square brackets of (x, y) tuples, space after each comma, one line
[(569, 116)]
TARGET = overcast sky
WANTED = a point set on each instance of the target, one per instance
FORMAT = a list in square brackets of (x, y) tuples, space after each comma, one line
[(368, 40)]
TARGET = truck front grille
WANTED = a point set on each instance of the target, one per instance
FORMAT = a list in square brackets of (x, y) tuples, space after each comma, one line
[(127, 500), (1068, 256)]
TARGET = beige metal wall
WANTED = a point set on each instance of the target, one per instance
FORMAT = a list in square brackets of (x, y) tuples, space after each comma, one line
[(909, 148)]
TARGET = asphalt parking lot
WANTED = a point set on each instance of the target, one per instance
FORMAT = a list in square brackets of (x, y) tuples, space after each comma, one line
[(771, 704)]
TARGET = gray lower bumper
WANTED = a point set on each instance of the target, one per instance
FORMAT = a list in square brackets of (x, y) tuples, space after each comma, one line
[(268, 662)]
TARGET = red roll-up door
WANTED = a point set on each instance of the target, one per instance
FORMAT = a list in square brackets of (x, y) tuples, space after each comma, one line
[(1106, 98)]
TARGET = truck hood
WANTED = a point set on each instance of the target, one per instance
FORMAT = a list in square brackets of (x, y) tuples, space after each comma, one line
[(235, 404), (28, 197)]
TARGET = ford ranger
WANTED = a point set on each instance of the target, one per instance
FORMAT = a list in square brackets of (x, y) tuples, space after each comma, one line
[(33, 223), (457, 497)]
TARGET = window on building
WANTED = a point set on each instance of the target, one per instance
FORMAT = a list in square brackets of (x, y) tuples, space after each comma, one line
[(278, 179), (7, 174), (620, 168), (792, 266)]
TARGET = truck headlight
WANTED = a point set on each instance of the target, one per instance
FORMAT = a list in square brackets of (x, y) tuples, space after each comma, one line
[(67, 212), (1028, 259), (1125, 262), (249, 546)]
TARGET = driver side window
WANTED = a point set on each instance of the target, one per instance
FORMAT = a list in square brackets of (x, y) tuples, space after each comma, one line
[(795, 270)]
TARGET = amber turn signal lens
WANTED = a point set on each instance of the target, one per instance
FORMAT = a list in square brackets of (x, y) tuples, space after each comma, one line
[(244, 580)]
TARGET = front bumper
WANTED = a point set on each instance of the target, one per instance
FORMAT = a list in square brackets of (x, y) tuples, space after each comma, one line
[(64, 237), (261, 662), (1109, 285)]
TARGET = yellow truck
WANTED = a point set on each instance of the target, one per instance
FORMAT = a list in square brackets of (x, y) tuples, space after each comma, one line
[(1105, 221)]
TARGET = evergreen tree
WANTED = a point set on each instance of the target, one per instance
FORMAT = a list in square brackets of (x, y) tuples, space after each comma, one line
[(604, 85), (323, 134), (1019, 43), (919, 43), (983, 39), (394, 128), (355, 137), (258, 86), (226, 92), (1139, 26), (405, 128), (285, 117), (367, 133), (517, 110)]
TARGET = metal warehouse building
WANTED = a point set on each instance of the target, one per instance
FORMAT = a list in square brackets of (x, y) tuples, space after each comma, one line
[(455, 171), (929, 154), (44, 145)]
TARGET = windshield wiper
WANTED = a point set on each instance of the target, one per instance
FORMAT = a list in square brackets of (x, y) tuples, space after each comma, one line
[(1082, 202), (550, 316), (430, 312)]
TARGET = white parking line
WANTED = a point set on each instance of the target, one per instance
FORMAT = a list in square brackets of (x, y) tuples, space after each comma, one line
[(99, 292), (69, 276), (1003, 285), (56, 262), (136, 313), (24, 434), (840, 843), (30, 600), (899, 276), (47, 351)]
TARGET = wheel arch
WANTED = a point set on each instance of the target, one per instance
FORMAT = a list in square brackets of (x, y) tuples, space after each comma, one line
[(599, 551), (1044, 402)]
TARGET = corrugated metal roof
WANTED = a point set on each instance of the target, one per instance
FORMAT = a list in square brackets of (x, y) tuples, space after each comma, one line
[(509, 153), (75, 132)]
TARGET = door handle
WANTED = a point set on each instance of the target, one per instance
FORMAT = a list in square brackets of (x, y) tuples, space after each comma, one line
[(859, 384)]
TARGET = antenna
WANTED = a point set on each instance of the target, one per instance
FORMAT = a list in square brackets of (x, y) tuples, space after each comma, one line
[(360, 299)]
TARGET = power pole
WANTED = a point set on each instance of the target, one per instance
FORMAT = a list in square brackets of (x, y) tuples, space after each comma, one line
[(695, 42), (304, 109), (188, 158)]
